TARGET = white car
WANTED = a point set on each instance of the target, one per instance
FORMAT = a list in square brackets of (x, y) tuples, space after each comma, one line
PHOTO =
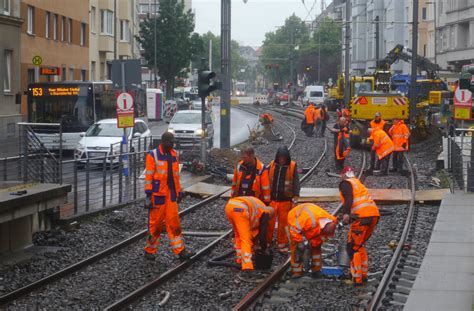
[(104, 137), (186, 127)]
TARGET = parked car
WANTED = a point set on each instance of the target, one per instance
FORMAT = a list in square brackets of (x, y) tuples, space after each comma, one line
[(103, 138), (186, 127)]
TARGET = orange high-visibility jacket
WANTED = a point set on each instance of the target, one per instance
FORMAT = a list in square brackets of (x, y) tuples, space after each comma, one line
[(309, 114), (254, 208), (346, 113), (342, 154), (362, 203), (317, 114), (377, 125), (400, 134), (156, 172), (289, 182), (383, 145), (267, 117), (260, 185), (304, 220)]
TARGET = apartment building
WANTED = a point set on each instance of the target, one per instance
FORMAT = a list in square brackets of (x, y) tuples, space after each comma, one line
[(54, 41), (426, 28), (113, 27), (10, 27), (454, 33)]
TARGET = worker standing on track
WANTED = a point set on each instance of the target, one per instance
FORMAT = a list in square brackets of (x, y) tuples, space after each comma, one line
[(311, 222), (309, 120), (285, 189), (317, 120), (360, 211), (377, 122), (400, 135), (163, 194), (342, 146), (250, 219), (382, 148), (251, 177), (324, 119)]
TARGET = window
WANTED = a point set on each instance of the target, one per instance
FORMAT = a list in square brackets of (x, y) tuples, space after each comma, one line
[(83, 75), (69, 30), (6, 7), (31, 20), (55, 26), (423, 14), (83, 34), (154, 8), (106, 22), (71, 73), (144, 8), (124, 31), (92, 78), (92, 19), (7, 74), (31, 76), (46, 21), (63, 28)]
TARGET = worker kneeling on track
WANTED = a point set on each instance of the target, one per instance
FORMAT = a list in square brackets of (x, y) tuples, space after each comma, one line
[(382, 148), (360, 211), (163, 194), (400, 135), (311, 222), (249, 218), (285, 188)]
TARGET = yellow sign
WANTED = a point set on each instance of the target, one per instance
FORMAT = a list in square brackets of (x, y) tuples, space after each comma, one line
[(125, 120), (37, 60), (462, 113), (223, 112), (55, 91)]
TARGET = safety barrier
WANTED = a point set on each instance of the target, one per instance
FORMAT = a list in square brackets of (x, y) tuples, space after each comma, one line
[(460, 154), (170, 107)]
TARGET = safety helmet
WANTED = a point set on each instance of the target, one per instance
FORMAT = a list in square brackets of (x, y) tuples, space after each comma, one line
[(378, 114), (347, 172)]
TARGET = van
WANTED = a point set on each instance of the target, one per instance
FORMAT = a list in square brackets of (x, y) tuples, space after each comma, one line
[(313, 94)]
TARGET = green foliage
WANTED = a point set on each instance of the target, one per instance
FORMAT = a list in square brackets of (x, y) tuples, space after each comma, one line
[(175, 44)]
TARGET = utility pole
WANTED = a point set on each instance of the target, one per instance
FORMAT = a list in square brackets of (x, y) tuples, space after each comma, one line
[(319, 53), (292, 39), (347, 88), (226, 73), (377, 39), (414, 59), (210, 54), (115, 29), (154, 50)]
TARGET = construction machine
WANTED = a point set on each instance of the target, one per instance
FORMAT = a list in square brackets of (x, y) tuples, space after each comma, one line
[(358, 84)]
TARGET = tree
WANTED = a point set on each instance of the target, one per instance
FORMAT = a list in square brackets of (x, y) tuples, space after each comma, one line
[(175, 44)]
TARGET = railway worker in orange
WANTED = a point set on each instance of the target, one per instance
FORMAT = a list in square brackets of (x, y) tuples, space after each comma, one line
[(250, 219), (266, 118), (163, 194), (382, 148), (285, 189), (342, 146), (309, 120), (360, 211), (377, 122), (400, 135), (251, 177), (317, 112), (311, 222)]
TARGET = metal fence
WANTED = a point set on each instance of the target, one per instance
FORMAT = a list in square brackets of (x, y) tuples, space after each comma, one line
[(460, 155)]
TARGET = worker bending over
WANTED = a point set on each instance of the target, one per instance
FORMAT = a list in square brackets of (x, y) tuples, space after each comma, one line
[(285, 189), (251, 177), (311, 222), (163, 193), (360, 211), (309, 120), (382, 148), (342, 146), (266, 118), (400, 136), (377, 122), (249, 218)]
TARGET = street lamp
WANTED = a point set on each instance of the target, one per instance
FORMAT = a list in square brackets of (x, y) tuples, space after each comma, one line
[(434, 20)]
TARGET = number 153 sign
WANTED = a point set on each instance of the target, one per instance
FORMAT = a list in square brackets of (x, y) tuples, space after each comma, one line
[(125, 110)]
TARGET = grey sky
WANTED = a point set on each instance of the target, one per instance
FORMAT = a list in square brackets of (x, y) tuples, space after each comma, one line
[(252, 20)]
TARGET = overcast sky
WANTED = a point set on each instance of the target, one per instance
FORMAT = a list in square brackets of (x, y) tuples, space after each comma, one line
[(252, 20)]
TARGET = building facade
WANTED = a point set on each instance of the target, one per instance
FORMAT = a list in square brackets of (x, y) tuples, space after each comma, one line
[(10, 27), (113, 27), (55, 36)]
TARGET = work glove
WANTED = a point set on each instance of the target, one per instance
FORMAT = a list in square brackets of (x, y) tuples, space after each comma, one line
[(299, 253), (180, 197), (148, 203)]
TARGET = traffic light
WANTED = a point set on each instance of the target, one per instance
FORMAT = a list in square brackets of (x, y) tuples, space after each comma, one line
[(275, 86), (205, 83), (465, 81)]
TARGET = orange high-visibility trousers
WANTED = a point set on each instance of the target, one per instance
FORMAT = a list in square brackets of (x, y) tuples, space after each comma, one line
[(296, 267), (359, 232), (243, 242), (167, 214), (281, 210)]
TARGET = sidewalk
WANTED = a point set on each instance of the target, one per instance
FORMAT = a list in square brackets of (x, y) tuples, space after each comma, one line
[(445, 280)]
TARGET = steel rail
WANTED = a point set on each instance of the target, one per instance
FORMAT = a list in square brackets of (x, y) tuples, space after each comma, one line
[(379, 294), (14, 295), (142, 291), (276, 275)]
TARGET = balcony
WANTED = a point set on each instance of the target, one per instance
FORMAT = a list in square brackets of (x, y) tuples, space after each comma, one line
[(125, 49), (106, 43)]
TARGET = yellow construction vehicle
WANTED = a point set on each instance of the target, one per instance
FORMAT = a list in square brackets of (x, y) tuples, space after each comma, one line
[(358, 84)]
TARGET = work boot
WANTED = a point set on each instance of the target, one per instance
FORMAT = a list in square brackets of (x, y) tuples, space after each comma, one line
[(185, 255), (149, 256)]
